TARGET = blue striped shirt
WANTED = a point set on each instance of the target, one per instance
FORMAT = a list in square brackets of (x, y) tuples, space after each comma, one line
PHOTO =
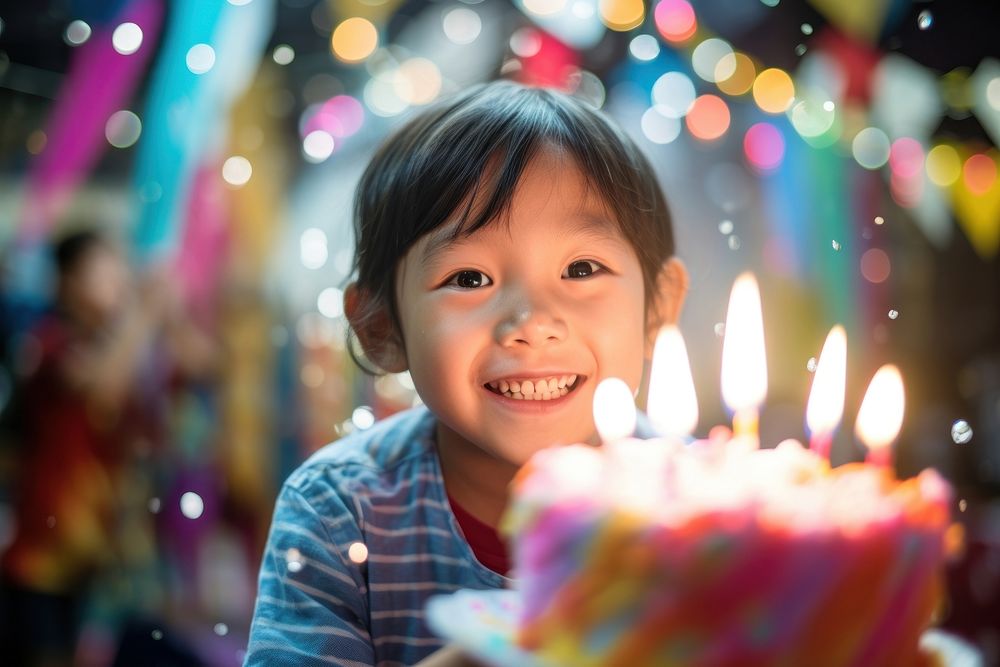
[(380, 490)]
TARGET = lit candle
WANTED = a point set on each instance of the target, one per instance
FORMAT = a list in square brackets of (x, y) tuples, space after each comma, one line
[(744, 367), (672, 403), (826, 399), (881, 414), (614, 410)]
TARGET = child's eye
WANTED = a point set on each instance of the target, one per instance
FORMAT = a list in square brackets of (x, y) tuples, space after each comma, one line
[(582, 269), (469, 279)]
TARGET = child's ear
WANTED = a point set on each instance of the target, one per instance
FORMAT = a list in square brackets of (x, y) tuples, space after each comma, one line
[(671, 288), (375, 330)]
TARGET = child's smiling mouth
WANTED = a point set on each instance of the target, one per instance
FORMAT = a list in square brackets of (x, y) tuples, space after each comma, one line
[(535, 389)]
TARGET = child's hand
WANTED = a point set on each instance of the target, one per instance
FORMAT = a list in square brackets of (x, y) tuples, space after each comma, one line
[(449, 656)]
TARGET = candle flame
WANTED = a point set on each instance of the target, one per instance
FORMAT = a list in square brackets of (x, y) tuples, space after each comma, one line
[(672, 402), (614, 410), (881, 413), (744, 366), (826, 400)]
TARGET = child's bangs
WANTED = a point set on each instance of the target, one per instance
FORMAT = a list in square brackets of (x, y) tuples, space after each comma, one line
[(533, 125)]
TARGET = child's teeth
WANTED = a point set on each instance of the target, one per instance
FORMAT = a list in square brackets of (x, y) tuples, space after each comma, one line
[(535, 390)]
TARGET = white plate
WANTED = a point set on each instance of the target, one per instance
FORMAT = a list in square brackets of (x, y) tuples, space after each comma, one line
[(483, 623)]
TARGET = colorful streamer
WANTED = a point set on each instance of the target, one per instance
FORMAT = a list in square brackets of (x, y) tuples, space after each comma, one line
[(186, 115), (100, 81)]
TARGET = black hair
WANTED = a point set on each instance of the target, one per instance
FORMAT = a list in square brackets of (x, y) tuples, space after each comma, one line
[(68, 250), (474, 147)]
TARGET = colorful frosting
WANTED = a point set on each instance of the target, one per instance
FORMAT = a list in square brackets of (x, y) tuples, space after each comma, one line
[(655, 553)]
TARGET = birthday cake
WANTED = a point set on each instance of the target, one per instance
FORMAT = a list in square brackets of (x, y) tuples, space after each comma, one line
[(652, 552)]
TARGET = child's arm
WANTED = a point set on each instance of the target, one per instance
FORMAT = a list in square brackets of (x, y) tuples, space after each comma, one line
[(311, 603)]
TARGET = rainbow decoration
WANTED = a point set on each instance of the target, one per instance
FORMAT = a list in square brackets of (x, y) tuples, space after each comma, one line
[(100, 81), (186, 113)]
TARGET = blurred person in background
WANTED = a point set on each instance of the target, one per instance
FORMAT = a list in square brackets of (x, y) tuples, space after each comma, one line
[(80, 366)]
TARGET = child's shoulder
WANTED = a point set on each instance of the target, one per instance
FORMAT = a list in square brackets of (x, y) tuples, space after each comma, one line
[(371, 453)]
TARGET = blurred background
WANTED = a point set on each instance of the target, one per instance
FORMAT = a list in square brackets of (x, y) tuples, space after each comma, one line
[(176, 185)]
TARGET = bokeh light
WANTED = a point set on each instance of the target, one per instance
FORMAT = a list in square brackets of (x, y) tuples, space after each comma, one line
[(236, 170), (814, 120), (674, 93), (713, 60), (330, 303), (317, 146), (660, 127), (283, 54), (294, 560), (870, 148), (418, 81), (773, 90), (943, 165), (875, 265), (622, 15), (382, 97), (525, 42), (357, 552), (200, 58), (587, 86), (363, 418), (764, 147), (708, 118), (127, 38), (313, 250), (906, 157), (742, 73), (122, 129), (340, 116), (354, 39), (961, 432), (462, 25), (543, 7), (979, 173), (644, 47), (993, 93), (77, 32), (192, 505), (675, 20)]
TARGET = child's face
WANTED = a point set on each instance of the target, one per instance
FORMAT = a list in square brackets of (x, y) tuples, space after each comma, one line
[(556, 295)]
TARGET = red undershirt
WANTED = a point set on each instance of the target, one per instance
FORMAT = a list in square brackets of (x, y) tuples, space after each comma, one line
[(486, 544)]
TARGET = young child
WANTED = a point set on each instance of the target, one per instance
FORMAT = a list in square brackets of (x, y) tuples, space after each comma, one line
[(513, 249)]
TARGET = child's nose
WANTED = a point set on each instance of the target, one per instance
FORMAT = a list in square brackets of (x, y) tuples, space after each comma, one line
[(530, 323)]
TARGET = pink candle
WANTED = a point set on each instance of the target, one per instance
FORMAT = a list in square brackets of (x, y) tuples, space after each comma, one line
[(881, 414), (826, 399)]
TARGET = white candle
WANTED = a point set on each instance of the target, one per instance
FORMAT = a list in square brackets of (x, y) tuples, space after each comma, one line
[(744, 365), (614, 410), (672, 403)]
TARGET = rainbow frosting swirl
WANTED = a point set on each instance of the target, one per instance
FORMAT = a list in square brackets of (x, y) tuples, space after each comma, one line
[(656, 553)]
